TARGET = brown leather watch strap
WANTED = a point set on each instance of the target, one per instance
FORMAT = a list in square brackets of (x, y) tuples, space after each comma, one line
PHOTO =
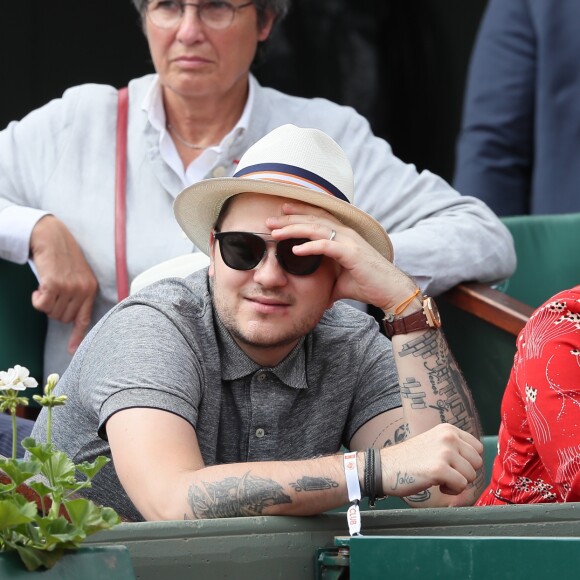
[(427, 317), (415, 321)]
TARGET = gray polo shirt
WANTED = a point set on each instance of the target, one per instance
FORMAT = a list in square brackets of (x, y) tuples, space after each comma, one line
[(165, 348)]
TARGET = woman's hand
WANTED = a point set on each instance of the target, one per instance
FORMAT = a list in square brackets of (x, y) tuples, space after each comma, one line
[(68, 286)]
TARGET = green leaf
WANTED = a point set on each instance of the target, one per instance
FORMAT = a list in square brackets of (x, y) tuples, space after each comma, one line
[(90, 517), (26, 534), (91, 469), (42, 451), (34, 558), (73, 490), (5, 489), (40, 488), (20, 470), (60, 531), (110, 518), (14, 512), (60, 468)]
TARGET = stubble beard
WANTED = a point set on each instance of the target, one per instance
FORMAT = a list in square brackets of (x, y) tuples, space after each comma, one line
[(260, 338)]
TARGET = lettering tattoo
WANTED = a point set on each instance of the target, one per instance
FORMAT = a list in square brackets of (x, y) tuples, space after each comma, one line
[(235, 496), (308, 483), (402, 479), (453, 403), (440, 407)]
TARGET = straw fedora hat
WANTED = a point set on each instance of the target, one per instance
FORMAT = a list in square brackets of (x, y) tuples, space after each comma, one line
[(297, 163)]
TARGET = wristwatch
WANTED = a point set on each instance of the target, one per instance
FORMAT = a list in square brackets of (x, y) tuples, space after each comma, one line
[(428, 317)]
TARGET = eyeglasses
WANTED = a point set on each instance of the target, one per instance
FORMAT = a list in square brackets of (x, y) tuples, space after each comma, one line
[(245, 250), (216, 14)]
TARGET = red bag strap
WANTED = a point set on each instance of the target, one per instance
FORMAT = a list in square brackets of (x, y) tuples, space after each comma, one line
[(121, 196)]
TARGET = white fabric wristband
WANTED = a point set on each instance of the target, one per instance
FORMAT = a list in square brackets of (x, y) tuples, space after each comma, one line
[(354, 494)]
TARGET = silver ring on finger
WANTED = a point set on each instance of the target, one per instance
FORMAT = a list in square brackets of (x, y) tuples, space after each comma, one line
[(332, 235)]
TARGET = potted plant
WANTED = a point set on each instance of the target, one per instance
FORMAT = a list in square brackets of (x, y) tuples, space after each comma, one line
[(42, 519)]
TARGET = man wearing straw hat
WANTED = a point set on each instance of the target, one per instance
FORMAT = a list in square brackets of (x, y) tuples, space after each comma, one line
[(231, 392)]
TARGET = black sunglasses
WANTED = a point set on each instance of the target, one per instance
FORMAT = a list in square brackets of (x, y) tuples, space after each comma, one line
[(245, 250)]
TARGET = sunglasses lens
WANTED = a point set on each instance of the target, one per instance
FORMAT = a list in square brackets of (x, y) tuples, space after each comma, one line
[(241, 251), (293, 264)]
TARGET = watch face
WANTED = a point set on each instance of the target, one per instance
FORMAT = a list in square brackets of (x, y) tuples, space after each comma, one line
[(432, 312)]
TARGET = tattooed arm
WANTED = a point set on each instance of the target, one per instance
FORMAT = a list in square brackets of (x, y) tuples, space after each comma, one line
[(163, 472), (164, 475), (433, 392)]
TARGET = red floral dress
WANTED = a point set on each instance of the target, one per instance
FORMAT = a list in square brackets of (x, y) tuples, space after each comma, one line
[(539, 436)]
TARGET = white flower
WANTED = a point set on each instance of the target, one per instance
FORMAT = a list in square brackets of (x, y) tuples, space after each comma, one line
[(16, 379), (52, 380)]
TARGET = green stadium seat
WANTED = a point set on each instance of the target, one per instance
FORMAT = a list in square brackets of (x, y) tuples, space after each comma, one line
[(548, 257), (481, 323), (22, 328)]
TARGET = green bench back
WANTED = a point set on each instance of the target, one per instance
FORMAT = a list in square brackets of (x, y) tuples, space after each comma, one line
[(463, 558), (548, 256), (285, 547), (22, 328), (548, 261)]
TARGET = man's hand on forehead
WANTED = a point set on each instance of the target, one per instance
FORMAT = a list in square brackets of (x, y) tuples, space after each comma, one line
[(365, 274)]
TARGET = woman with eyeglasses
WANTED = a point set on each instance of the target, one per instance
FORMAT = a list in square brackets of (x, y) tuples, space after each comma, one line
[(91, 221)]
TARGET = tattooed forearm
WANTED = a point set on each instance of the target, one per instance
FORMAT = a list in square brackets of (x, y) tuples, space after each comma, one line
[(235, 496), (447, 384), (307, 483)]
